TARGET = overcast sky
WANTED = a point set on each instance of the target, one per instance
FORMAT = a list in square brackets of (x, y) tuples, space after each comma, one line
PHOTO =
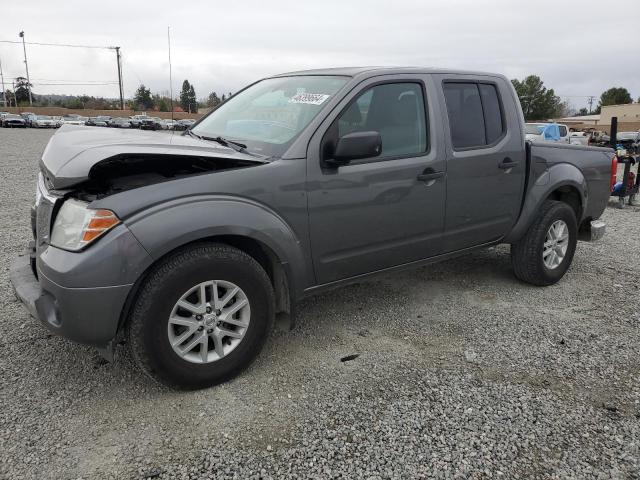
[(578, 48)]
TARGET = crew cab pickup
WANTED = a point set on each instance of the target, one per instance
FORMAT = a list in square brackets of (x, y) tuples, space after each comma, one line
[(189, 246)]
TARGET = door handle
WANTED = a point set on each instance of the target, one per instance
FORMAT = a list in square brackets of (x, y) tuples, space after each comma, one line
[(425, 177), (507, 163)]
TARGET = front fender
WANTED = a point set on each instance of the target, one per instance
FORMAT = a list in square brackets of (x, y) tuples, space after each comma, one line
[(167, 226), (553, 178)]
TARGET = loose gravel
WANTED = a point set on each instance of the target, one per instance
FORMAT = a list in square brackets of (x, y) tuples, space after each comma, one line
[(462, 372)]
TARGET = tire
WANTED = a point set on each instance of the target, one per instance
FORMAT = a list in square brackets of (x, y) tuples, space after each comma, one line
[(527, 254), (148, 326)]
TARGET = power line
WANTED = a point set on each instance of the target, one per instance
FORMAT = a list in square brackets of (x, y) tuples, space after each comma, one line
[(75, 84), (117, 50), (60, 45)]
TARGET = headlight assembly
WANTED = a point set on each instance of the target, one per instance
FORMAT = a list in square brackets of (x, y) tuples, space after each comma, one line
[(76, 226)]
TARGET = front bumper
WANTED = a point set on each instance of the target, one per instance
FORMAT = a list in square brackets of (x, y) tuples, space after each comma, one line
[(84, 315)]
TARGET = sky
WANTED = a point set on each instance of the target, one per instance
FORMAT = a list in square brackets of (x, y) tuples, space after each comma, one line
[(577, 48)]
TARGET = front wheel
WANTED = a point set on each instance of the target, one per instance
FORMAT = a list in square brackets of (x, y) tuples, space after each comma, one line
[(544, 254), (201, 317)]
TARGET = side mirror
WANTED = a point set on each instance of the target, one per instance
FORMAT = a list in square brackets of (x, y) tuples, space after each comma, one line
[(356, 145)]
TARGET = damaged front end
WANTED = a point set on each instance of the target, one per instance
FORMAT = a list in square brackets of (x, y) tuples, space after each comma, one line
[(127, 172)]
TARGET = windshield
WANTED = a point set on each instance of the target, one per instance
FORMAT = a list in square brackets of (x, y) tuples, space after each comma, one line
[(532, 129), (270, 114)]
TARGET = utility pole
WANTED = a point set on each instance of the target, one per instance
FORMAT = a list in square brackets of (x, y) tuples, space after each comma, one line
[(591, 98), (119, 77), (4, 95), (26, 66), (170, 76)]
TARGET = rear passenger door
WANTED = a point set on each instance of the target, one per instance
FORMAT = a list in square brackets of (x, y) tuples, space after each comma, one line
[(485, 160)]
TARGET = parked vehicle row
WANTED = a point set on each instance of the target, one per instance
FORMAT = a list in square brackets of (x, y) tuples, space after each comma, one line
[(29, 119)]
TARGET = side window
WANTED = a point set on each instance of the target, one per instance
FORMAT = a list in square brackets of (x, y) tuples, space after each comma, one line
[(475, 117), (563, 131), (492, 112), (396, 111)]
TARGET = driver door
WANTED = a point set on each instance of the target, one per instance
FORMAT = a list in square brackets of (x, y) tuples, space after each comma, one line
[(375, 213)]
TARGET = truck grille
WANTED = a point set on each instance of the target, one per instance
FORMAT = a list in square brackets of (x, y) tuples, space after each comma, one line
[(43, 221), (45, 203)]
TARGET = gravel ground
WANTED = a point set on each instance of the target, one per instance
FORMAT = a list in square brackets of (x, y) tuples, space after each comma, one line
[(463, 372)]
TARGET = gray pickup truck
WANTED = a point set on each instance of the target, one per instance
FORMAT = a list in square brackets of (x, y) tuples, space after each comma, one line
[(189, 246)]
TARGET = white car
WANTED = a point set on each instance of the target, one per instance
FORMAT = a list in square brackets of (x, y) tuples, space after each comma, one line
[(45, 121), (554, 132), (73, 120), (579, 138)]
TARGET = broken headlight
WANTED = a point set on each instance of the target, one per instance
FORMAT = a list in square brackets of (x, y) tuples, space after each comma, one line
[(76, 226)]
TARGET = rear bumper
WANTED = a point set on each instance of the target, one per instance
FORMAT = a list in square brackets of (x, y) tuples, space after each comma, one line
[(84, 315)]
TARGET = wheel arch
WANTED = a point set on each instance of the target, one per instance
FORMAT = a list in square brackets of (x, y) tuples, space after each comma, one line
[(561, 182), (277, 271), (241, 223)]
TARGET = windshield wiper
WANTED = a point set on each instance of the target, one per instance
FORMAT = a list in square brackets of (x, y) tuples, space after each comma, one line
[(237, 146), (191, 134)]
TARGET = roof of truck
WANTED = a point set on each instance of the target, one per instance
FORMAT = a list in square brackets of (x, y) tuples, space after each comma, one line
[(373, 71)]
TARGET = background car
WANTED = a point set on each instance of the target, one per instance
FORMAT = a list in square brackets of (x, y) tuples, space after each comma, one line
[(120, 122), (184, 124), (167, 124), (45, 121), (29, 118), (151, 123), (136, 120), (13, 121), (96, 122), (73, 120), (629, 141)]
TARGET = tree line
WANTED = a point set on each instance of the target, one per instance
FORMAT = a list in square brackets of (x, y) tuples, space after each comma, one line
[(142, 99), (540, 103)]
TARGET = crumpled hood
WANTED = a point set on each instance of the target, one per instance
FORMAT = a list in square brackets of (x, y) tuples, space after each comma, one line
[(74, 150)]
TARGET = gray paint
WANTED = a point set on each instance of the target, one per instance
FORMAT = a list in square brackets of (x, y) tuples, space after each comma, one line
[(327, 226)]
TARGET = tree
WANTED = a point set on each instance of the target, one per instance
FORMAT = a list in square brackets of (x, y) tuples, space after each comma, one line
[(142, 98), (185, 96), (193, 101), (10, 97), (615, 96), (224, 98), (538, 102), (212, 100), (583, 111), (21, 89), (163, 106)]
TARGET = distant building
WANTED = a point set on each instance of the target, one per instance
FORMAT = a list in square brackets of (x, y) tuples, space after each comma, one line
[(629, 113), (590, 120), (628, 119)]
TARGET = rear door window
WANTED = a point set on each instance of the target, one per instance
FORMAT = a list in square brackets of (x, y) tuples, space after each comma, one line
[(475, 115), (492, 112), (563, 131)]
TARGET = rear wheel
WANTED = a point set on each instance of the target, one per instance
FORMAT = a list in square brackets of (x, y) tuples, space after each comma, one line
[(202, 316), (544, 254)]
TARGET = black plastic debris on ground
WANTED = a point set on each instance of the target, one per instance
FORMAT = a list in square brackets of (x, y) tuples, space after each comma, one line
[(348, 358)]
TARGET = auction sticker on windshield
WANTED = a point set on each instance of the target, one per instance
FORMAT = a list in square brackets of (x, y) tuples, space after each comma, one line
[(309, 98)]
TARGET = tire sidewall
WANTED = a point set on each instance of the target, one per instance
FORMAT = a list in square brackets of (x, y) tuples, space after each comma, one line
[(153, 336), (559, 211)]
